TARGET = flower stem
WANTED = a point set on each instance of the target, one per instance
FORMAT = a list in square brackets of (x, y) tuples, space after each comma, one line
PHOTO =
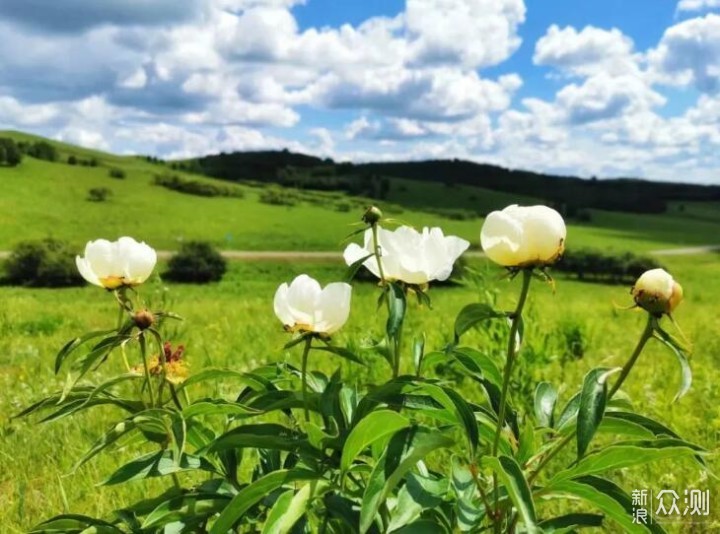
[(148, 382), (376, 252), (511, 352), (512, 348), (306, 351), (644, 337)]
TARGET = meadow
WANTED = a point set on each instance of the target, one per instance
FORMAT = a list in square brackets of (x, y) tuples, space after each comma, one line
[(231, 324)]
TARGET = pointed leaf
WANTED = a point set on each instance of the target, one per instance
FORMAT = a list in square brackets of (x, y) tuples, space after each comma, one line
[(511, 475), (371, 428), (472, 315), (593, 399), (545, 399), (681, 354)]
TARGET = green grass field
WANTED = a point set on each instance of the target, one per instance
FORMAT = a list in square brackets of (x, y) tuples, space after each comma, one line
[(231, 323), (43, 199)]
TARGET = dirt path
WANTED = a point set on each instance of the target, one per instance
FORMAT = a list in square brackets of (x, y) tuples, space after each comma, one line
[(299, 256)]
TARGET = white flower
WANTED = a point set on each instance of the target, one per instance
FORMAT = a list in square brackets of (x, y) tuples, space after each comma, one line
[(657, 292), (520, 236), (124, 262), (305, 306), (408, 255)]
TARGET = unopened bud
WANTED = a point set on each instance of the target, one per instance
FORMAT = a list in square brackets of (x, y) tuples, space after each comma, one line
[(144, 319), (657, 292), (372, 215)]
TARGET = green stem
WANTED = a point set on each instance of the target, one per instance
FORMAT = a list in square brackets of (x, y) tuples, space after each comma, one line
[(148, 381), (511, 352), (376, 252), (509, 360), (396, 352), (644, 337), (306, 351)]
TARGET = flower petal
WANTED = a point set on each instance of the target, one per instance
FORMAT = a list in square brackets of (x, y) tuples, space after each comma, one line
[(333, 307), (501, 238), (280, 305)]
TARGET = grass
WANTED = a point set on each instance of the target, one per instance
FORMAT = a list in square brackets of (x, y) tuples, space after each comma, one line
[(232, 324), (42, 198)]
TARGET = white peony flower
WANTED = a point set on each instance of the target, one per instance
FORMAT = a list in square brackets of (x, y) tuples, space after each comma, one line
[(521, 236), (305, 306), (657, 292), (124, 262), (408, 255)]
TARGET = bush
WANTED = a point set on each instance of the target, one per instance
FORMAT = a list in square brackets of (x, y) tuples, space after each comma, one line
[(195, 187), (45, 263), (196, 262), (72, 160), (278, 198), (116, 173), (99, 194), (599, 266), (10, 153)]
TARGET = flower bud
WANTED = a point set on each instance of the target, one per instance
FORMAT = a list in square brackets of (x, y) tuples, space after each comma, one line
[(657, 292), (372, 215), (144, 319)]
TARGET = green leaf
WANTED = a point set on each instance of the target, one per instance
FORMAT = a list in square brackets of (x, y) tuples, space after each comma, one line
[(607, 497), (156, 465), (418, 353), (71, 345), (354, 267), (397, 306), (419, 494), (472, 315), (406, 448), (511, 475), (570, 411), (568, 523), (628, 454), (456, 405), (253, 381), (205, 407), (545, 399), (681, 354), (375, 426), (479, 364), (342, 352), (593, 399), (284, 515), (251, 494), (111, 436), (75, 524), (657, 428), (191, 507), (263, 436), (421, 526)]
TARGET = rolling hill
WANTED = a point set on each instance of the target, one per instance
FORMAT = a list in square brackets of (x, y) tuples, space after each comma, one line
[(40, 198)]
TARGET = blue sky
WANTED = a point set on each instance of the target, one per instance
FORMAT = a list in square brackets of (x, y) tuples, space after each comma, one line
[(590, 88)]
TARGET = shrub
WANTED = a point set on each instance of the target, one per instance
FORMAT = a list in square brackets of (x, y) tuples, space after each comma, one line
[(196, 262), (99, 194), (196, 187), (72, 160), (598, 266), (10, 153), (42, 150), (278, 198), (116, 173), (45, 263)]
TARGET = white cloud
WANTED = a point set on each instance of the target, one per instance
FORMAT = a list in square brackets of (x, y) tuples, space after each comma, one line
[(586, 52), (697, 5), (689, 53)]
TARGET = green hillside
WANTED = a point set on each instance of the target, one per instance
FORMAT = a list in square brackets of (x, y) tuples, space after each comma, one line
[(41, 198)]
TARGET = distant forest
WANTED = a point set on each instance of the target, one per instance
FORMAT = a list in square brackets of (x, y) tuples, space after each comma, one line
[(571, 194)]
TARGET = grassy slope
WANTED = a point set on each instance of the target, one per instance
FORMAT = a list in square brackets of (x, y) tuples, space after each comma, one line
[(41, 198)]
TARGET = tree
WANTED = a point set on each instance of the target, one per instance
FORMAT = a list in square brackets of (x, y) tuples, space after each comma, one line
[(10, 153), (72, 160)]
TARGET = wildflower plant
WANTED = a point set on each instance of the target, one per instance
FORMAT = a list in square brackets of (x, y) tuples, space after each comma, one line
[(296, 450)]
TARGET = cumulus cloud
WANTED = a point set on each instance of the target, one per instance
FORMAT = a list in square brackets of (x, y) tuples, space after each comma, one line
[(586, 52), (78, 15), (689, 53), (697, 5)]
